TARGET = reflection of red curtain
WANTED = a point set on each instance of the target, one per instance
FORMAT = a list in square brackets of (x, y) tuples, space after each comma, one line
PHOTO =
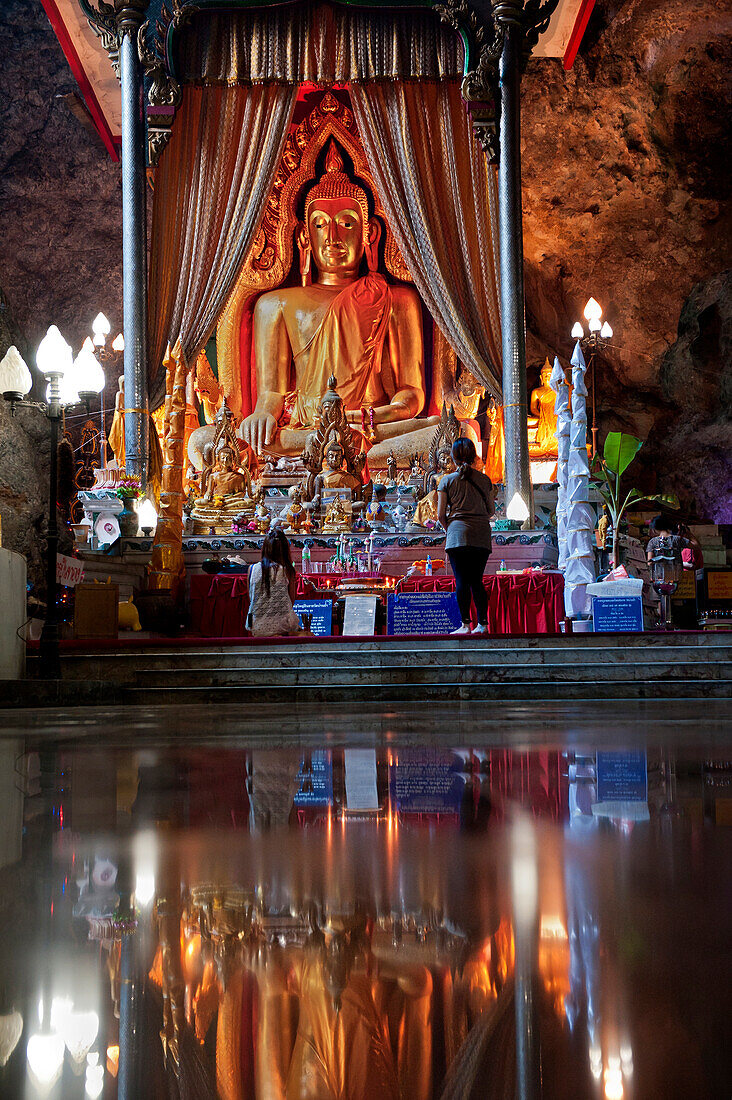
[(439, 196)]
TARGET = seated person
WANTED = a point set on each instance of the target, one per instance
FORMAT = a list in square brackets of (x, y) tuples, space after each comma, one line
[(272, 589), (665, 541)]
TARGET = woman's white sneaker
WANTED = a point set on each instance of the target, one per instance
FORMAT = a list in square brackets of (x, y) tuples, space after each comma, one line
[(479, 629), (464, 629)]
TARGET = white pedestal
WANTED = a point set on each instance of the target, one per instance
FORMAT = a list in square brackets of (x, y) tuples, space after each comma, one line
[(13, 603)]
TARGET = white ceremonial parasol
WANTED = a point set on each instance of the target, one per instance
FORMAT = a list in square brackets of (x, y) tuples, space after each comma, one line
[(580, 521), (561, 407)]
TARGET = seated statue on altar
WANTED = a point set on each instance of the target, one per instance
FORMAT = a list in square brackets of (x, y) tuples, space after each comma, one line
[(332, 474), (357, 327), (440, 463), (543, 419), (295, 513), (226, 481)]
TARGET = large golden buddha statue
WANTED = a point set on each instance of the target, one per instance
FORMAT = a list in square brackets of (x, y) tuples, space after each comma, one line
[(357, 327)]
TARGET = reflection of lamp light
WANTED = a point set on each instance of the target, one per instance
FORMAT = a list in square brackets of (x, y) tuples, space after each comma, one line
[(101, 328), (94, 1080), (592, 310), (577, 331), (45, 1059), (15, 378), (517, 509), (147, 517), (113, 1059), (79, 1030)]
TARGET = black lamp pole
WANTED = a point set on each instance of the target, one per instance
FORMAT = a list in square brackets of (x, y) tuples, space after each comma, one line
[(49, 651)]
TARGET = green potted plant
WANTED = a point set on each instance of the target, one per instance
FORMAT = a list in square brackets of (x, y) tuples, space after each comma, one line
[(618, 452), (129, 489)]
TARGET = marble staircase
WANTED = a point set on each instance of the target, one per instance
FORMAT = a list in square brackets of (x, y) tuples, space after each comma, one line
[(651, 666)]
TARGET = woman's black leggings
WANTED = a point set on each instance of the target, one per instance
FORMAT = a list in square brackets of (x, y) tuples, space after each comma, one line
[(468, 564)]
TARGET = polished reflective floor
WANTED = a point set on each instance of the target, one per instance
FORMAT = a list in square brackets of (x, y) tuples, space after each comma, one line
[(444, 902)]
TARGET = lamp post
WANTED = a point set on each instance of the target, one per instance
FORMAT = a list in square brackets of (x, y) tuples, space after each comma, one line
[(595, 340), (70, 382)]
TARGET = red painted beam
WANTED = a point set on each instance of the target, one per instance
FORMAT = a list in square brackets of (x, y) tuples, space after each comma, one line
[(578, 30), (92, 103)]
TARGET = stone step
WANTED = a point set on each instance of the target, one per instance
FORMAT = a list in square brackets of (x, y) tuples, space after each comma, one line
[(519, 691), (417, 672)]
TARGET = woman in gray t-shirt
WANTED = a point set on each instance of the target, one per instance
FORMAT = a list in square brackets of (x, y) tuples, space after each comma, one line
[(464, 508)]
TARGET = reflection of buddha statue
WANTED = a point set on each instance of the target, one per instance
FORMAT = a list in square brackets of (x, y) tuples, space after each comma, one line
[(543, 417), (366, 332)]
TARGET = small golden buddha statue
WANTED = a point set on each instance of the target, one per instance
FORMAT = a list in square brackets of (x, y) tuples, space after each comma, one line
[(262, 514), (440, 464), (495, 459), (358, 327), (336, 521), (543, 420), (295, 514), (226, 490)]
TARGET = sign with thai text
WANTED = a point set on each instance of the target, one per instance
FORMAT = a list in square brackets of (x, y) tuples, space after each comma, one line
[(320, 612), (422, 613), (427, 781), (69, 571), (315, 779), (618, 614), (622, 777), (719, 584)]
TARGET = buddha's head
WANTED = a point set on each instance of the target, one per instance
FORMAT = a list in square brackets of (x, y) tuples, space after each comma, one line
[(334, 454), (226, 458), (444, 458), (337, 228), (546, 373)]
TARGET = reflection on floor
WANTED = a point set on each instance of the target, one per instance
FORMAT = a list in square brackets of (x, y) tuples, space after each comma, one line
[(394, 918)]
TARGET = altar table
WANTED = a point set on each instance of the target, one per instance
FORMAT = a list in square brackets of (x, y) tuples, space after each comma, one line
[(518, 603), (219, 603)]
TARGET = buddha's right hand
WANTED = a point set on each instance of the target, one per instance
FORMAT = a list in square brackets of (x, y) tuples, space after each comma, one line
[(259, 430)]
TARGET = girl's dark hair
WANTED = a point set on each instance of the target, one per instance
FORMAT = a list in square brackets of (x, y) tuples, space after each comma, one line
[(276, 551), (663, 523), (463, 454)]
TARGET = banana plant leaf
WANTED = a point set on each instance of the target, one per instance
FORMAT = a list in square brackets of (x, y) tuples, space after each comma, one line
[(619, 451)]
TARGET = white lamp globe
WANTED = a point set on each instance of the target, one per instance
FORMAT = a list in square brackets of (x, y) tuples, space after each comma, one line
[(118, 344), (593, 309), (54, 355), (87, 374), (606, 332), (577, 331), (147, 516), (101, 329), (517, 509), (594, 324), (78, 1031), (15, 378)]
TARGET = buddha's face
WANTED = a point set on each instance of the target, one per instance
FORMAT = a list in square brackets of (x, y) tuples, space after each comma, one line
[(545, 375), (226, 459), (334, 458), (444, 459), (336, 231)]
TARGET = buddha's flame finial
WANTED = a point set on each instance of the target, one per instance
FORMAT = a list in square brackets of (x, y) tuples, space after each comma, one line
[(333, 159)]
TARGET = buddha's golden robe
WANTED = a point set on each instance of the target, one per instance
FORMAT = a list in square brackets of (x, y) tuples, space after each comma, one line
[(348, 342)]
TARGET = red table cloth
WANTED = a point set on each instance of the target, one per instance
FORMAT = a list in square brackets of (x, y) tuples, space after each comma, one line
[(219, 604), (518, 603)]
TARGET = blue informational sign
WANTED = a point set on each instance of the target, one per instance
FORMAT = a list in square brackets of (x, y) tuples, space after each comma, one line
[(622, 777), (315, 783), (321, 614), (427, 781), (422, 613), (619, 614)]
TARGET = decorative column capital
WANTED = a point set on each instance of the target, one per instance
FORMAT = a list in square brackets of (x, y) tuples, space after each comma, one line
[(129, 15)]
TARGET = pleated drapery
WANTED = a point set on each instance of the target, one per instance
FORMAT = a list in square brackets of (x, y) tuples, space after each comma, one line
[(439, 196), (317, 43), (210, 189)]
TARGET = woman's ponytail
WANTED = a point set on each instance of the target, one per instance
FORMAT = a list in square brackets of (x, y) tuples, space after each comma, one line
[(463, 455)]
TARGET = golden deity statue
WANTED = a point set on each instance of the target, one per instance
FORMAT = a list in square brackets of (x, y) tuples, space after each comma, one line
[(336, 521), (495, 458), (262, 514), (332, 475), (226, 489), (357, 327), (543, 420), (440, 464), (295, 514)]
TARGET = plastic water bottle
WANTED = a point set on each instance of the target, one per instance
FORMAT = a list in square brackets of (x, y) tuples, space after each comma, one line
[(502, 567), (428, 567), (306, 558)]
